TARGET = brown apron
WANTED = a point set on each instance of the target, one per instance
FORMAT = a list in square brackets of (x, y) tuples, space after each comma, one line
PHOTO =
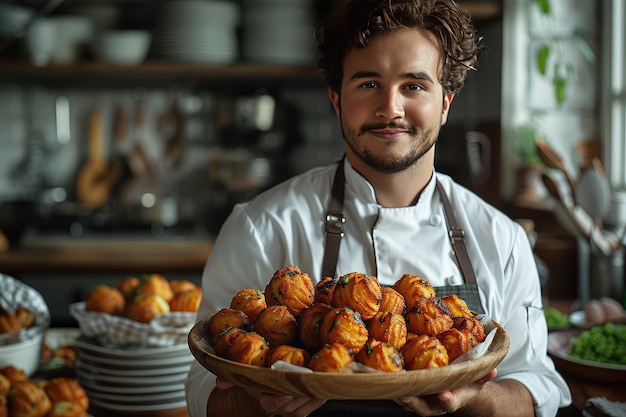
[(469, 291)]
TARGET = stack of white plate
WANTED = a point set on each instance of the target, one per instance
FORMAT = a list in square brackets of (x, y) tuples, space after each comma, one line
[(197, 31), (141, 380), (278, 32)]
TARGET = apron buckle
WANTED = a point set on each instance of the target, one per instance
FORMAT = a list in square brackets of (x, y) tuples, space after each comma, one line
[(334, 222), (456, 234)]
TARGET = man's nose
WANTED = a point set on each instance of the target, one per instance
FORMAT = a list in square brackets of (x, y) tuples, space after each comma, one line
[(391, 105)]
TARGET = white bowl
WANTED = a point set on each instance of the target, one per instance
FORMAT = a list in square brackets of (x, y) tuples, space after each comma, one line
[(124, 46), (24, 355)]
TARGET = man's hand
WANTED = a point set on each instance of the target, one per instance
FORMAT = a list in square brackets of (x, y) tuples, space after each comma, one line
[(446, 401), (279, 405)]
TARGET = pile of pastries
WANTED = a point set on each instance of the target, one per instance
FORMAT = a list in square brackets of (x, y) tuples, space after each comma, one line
[(22, 397), (21, 318), (143, 298), (339, 321)]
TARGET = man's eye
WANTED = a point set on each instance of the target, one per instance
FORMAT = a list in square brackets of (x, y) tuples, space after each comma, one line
[(415, 87), (369, 85)]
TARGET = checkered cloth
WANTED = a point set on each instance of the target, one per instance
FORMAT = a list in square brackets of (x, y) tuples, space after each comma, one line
[(119, 332), (14, 294)]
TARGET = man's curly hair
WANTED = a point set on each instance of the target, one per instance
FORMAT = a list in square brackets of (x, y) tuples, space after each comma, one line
[(362, 20)]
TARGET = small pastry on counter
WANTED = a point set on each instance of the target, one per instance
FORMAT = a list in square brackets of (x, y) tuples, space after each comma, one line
[(226, 318), (360, 292), (27, 399), (66, 389), (249, 348), (381, 355), (66, 409), (277, 325), (290, 354), (250, 301), (309, 324), (13, 374), (424, 352), (291, 287), (388, 327), (5, 384), (414, 288), (105, 299), (344, 325), (145, 307), (331, 357)]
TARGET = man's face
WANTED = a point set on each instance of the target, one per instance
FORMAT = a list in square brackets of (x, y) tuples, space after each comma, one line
[(391, 104)]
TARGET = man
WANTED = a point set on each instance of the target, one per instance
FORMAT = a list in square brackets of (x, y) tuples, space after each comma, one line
[(393, 68)]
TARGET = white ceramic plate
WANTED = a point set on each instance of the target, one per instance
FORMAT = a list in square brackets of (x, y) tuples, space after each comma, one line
[(132, 381), (132, 372), (142, 399), (91, 386), (137, 363), (149, 407), (141, 353)]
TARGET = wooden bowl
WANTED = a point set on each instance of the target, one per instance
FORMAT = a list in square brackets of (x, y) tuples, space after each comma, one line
[(343, 386)]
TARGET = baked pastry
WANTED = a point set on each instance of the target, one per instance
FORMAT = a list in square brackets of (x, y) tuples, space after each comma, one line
[(26, 317), (5, 384), (343, 325), (66, 409), (69, 353), (290, 354), (186, 301), (291, 287), (105, 299), (65, 389), (424, 352), (27, 399), (9, 323), (249, 348), (388, 327), (457, 307), (183, 285), (309, 324), (222, 341), (4, 411), (381, 355), (155, 284), (360, 292), (128, 287), (250, 301), (277, 325), (331, 357), (428, 316), (324, 290), (472, 325), (13, 374), (413, 288), (456, 342), (226, 318), (145, 307), (392, 301)]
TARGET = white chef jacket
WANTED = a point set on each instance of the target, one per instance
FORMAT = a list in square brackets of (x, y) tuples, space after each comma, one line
[(286, 226)]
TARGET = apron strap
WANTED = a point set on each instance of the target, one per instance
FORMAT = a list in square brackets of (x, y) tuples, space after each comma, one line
[(334, 223), (457, 239)]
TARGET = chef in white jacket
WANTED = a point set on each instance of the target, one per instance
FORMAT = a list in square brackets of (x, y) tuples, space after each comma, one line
[(393, 68)]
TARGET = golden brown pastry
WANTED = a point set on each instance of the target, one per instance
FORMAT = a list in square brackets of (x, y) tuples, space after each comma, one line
[(13, 374), (145, 307), (277, 325), (324, 290), (428, 316), (226, 318), (388, 327), (250, 301), (290, 354), (222, 341), (66, 409), (65, 389), (155, 284), (456, 342), (9, 323), (128, 286), (413, 288), (69, 353), (343, 325), (291, 287), (105, 299), (392, 301), (4, 411), (331, 357), (249, 348), (183, 285), (456, 306), (381, 355), (27, 399), (309, 324), (423, 352), (186, 301), (472, 325), (25, 316), (360, 292), (5, 384)]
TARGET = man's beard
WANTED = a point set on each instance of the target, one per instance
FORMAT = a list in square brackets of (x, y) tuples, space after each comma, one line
[(424, 140)]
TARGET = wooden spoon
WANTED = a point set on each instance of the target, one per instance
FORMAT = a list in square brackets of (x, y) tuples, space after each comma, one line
[(552, 160)]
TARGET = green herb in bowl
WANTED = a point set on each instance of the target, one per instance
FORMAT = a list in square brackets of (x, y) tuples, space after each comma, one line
[(605, 343), (555, 319)]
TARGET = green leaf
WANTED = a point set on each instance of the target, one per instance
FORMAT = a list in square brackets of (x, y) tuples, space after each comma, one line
[(560, 87), (542, 59), (544, 6)]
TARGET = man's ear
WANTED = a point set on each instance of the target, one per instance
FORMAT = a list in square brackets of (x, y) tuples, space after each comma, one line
[(334, 99), (447, 102)]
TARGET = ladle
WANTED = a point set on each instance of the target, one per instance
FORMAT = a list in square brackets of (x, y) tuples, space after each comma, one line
[(552, 160)]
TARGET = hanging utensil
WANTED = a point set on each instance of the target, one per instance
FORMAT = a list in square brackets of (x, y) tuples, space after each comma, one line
[(552, 160), (594, 192), (564, 211)]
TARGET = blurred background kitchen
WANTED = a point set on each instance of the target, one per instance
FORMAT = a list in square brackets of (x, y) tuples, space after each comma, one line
[(129, 128)]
